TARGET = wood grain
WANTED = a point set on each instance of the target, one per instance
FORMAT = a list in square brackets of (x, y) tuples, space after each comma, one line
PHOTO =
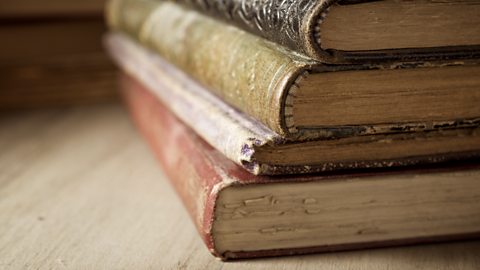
[(49, 8), (57, 81), (54, 63), (79, 189)]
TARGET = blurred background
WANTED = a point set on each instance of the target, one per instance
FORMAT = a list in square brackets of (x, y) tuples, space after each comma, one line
[(73, 178), (51, 54)]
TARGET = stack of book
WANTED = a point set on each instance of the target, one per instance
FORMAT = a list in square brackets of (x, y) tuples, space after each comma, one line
[(51, 54), (300, 126)]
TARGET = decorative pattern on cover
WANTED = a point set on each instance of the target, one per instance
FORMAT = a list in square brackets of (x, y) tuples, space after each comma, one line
[(290, 23), (296, 24)]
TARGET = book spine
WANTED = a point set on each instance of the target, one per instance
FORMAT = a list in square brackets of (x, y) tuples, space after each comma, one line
[(180, 154), (229, 131), (128, 15), (247, 72)]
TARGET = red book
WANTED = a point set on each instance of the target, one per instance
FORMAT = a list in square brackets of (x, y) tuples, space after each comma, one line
[(240, 215)]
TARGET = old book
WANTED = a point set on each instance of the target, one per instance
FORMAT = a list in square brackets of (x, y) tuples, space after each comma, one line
[(357, 30), (295, 96), (240, 215), (262, 151)]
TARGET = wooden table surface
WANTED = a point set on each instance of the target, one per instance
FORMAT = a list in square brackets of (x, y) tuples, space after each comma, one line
[(79, 189)]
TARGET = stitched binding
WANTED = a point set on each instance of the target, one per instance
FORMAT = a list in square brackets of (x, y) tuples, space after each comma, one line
[(289, 101)]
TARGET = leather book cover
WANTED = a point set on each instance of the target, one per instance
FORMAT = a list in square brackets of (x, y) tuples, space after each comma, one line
[(241, 138), (200, 174), (257, 77)]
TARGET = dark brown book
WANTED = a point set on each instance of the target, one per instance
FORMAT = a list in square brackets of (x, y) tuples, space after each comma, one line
[(240, 215)]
